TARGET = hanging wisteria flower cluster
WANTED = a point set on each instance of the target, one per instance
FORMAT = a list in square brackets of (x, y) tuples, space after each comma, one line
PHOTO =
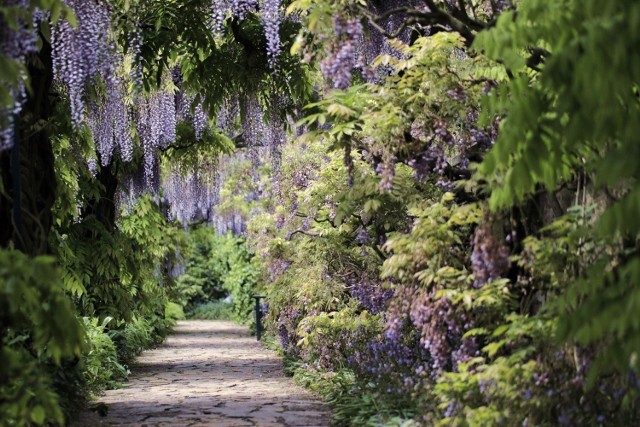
[(228, 218), (133, 187), (15, 44), (270, 15), (198, 118), (200, 121), (343, 58), (369, 292), (234, 223), (262, 129), (277, 136), (253, 125), (354, 48), (227, 119), (191, 194), (82, 53), (87, 53), (241, 7), (442, 325), (156, 128), (135, 50), (219, 11), (110, 123)]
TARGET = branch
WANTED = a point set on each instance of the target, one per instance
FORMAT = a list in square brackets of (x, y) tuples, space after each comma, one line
[(178, 147), (439, 16), (461, 13), (538, 57), (373, 246), (306, 233), (494, 7), (389, 12), (374, 20), (378, 252), (327, 219)]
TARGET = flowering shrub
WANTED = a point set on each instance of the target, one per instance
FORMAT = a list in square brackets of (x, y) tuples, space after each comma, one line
[(391, 278), (452, 238)]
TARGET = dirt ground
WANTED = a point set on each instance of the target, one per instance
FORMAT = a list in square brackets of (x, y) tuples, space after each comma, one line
[(209, 373)]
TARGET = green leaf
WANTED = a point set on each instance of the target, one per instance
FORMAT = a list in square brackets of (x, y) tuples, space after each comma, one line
[(38, 415)]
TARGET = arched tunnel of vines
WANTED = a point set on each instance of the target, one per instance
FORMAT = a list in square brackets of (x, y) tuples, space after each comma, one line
[(426, 211)]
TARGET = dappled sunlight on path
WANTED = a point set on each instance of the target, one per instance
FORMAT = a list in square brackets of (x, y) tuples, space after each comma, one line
[(209, 373)]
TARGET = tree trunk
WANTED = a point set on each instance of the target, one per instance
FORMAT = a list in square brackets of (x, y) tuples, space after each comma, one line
[(104, 208), (28, 171)]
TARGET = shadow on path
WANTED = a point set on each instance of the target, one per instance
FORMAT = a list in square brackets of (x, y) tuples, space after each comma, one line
[(209, 373)]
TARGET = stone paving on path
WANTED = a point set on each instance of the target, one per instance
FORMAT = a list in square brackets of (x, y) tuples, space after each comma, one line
[(209, 373)]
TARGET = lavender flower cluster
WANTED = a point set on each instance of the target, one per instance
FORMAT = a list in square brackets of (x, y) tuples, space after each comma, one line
[(393, 361), (277, 267), (82, 53), (387, 171), (133, 187), (438, 323), (200, 121), (271, 18), (198, 118), (191, 194), (15, 44), (369, 293), (228, 115), (156, 127), (241, 7), (110, 124), (254, 126), (263, 129), (276, 138), (228, 222), (287, 329), (490, 256), (342, 57), (219, 11), (270, 15), (135, 48)]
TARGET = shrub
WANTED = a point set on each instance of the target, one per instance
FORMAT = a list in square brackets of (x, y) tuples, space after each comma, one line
[(39, 330), (102, 369), (214, 310), (174, 312), (217, 266)]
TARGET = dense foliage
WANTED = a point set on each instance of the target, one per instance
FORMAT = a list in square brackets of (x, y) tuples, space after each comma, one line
[(452, 245), (107, 113), (438, 198), (219, 277)]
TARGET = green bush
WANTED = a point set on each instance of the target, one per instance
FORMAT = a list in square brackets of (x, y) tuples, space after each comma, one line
[(214, 310), (206, 266), (138, 337), (102, 370), (39, 331), (50, 359), (241, 283), (217, 266), (174, 312)]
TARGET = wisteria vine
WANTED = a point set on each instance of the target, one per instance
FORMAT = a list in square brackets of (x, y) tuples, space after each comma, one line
[(15, 45), (83, 53)]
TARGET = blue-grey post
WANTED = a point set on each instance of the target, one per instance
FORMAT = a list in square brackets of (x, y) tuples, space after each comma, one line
[(258, 316)]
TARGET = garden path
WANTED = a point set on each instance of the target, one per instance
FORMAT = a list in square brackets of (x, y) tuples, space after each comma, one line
[(209, 373)]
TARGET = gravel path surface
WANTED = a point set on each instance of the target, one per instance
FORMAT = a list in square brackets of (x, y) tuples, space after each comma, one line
[(209, 373)]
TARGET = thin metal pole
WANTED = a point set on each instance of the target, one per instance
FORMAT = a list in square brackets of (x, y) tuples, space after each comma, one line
[(258, 316)]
